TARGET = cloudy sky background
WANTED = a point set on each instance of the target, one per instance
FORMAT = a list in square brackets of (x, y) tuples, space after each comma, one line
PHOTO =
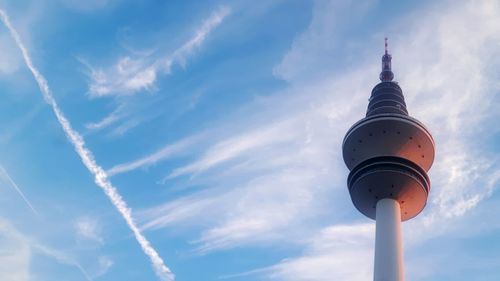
[(202, 140)]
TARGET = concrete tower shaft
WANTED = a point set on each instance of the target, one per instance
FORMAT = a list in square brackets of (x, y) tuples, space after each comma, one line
[(388, 152)]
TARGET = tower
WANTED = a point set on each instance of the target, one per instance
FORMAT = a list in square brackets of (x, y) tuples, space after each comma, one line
[(388, 154)]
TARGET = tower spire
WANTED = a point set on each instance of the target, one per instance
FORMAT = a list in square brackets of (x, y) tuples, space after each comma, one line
[(386, 75), (385, 39)]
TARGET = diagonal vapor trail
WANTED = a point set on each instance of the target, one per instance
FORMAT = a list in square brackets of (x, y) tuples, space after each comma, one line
[(62, 258), (16, 187), (100, 176)]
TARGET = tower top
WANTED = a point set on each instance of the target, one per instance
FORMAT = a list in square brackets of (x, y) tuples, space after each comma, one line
[(386, 75)]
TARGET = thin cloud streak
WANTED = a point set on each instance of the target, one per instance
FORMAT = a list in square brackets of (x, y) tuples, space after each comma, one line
[(182, 53), (17, 254), (100, 176), (89, 229), (16, 187), (286, 159), (131, 75), (454, 88), (331, 254), (234, 147), (112, 118), (155, 157), (62, 258)]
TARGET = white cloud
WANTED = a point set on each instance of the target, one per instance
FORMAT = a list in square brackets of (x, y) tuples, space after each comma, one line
[(15, 255), (132, 75), (10, 60), (61, 258), (445, 73), (270, 180), (339, 252), (126, 77), (244, 144), (264, 179), (105, 263), (125, 126), (87, 157), (454, 88), (109, 120), (139, 72), (162, 154), (28, 18), (329, 21), (127, 115), (89, 229), (181, 54)]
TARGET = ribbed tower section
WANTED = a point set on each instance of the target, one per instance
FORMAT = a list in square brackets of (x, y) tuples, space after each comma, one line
[(388, 154)]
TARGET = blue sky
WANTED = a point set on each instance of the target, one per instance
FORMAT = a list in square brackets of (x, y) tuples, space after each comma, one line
[(201, 140)]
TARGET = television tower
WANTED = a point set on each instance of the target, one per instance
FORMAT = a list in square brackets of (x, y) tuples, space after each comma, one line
[(388, 154)]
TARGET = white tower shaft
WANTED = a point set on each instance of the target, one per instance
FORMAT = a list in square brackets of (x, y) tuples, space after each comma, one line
[(388, 242)]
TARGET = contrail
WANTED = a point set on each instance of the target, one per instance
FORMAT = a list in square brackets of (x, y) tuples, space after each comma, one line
[(62, 258), (16, 187), (100, 176)]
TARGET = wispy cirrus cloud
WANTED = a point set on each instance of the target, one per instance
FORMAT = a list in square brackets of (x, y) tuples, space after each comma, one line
[(331, 254), (128, 114), (15, 255), (105, 264), (162, 154), (87, 157), (18, 250), (61, 258), (130, 75), (241, 145), (450, 88), (138, 72), (109, 120), (10, 61), (89, 229), (262, 180)]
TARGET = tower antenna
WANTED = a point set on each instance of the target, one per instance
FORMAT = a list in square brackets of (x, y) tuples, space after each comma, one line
[(386, 75)]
